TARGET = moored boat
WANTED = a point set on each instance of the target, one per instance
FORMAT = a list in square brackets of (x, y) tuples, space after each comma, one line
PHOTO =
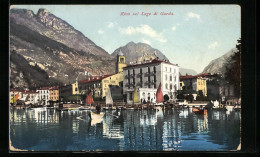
[(199, 111), (159, 98)]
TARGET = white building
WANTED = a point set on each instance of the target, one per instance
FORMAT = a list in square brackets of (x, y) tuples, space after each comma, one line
[(44, 95), (147, 76)]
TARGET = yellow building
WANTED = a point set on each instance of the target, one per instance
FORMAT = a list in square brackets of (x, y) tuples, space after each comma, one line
[(75, 88), (202, 85), (181, 85), (100, 84), (111, 80), (194, 83), (54, 93)]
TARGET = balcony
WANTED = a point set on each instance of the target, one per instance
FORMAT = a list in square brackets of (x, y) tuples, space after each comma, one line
[(150, 73)]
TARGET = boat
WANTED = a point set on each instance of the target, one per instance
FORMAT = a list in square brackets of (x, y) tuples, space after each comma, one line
[(109, 100), (39, 108), (199, 111), (73, 108), (84, 108), (96, 118), (89, 99), (159, 97), (135, 97)]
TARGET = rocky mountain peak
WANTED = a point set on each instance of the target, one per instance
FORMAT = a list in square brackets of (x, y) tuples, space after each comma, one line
[(138, 51), (50, 20)]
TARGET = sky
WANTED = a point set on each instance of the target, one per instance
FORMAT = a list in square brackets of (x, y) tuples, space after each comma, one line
[(190, 35)]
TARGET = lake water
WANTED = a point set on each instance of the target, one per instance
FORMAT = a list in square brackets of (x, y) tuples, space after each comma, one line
[(127, 130)]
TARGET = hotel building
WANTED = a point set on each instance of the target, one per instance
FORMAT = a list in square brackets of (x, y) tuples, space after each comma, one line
[(147, 76)]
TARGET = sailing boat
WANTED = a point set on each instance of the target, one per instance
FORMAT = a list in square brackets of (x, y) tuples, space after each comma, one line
[(159, 96), (136, 100), (89, 99), (109, 100), (135, 97), (15, 98), (94, 116)]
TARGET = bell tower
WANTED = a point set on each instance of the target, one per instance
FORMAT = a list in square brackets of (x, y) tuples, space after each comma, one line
[(120, 64)]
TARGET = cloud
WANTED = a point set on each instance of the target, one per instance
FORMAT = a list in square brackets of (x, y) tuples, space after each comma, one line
[(145, 30), (214, 45), (193, 15), (100, 31), (111, 25), (174, 28), (146, 41)]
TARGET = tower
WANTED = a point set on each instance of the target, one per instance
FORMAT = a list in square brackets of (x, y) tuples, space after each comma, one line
[(120, 64)]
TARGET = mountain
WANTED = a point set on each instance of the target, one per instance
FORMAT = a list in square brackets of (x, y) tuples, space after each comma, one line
[(188, 71), (45, 50), (217, 65), (138, 51)]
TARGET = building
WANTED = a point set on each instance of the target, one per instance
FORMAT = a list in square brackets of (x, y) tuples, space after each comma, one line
[(23, 94), (99, 85), (120, 62), (54, 93), (147, 76), (197, 83), (44, 95)]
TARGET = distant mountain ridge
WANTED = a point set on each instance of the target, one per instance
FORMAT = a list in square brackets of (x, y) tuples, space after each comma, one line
[(217, 65), (184, 71), (138, 51), (134, 51)]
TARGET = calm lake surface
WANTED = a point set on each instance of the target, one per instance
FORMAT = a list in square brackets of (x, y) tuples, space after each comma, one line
[(127, 130)]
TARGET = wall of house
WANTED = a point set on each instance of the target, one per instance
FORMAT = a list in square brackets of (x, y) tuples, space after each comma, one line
[(111, 80), (202, 85), (75, 88), (54, 95)]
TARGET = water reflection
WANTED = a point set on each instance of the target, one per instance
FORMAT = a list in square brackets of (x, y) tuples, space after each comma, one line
[(125, 130)]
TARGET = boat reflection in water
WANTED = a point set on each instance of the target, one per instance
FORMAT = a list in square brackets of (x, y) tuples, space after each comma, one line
[(126, 130)]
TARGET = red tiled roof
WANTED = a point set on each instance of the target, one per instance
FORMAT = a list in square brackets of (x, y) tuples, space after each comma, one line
[(188, 77), (16, 90), (196, 76), (54, 88), (44, 88), (204, 75), (95, 78), (154, 61)]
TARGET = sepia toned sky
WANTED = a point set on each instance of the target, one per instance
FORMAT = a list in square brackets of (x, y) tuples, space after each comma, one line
[(191, 37)]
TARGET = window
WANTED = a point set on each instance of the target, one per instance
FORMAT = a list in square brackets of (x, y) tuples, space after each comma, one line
[(76, 89), (166, 77), (154, 69), (166, 86), (130, 96), (170, 77), (170, 86), (121, 60), (141, 71), (149, 96)]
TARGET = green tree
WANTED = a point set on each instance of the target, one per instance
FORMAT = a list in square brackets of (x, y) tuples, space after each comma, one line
[(233, 71), (166, 97)]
